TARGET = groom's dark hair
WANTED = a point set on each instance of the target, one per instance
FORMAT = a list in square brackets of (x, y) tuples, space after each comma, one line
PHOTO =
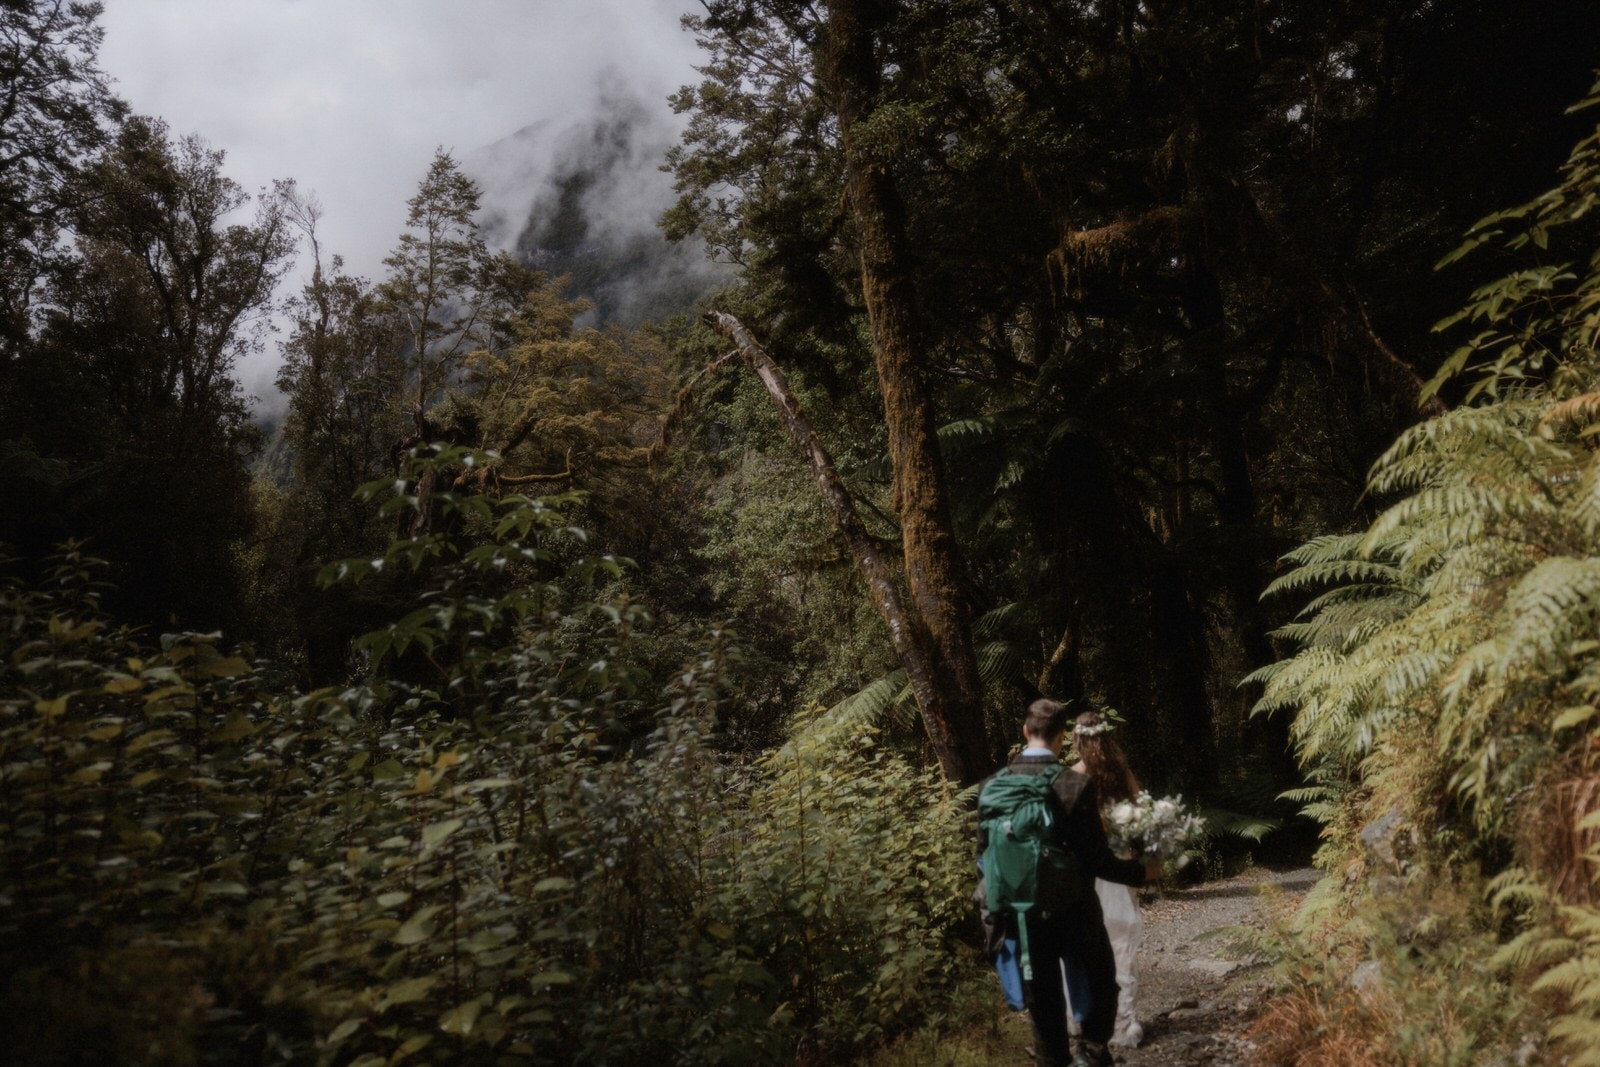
[(1046, 719)]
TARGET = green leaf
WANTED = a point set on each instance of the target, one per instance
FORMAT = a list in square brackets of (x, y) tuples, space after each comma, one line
[(550, 978), (147, 739), (237, 728), (434, 833), (414, 1043), (344, 1030), (388, 769), (418, 928), (227, 667), (123, 683), (409, 990), (1571, 717), (461, 1018)]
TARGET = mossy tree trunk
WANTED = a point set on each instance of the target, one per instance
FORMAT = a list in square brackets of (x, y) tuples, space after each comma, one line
[(952, 705)]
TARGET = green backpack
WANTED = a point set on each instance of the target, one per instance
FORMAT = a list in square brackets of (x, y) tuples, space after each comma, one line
[(1022, 867)]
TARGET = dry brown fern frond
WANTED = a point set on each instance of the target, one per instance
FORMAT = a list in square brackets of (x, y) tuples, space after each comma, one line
[(1578, 413), (1310, 1027), (1559, 844)]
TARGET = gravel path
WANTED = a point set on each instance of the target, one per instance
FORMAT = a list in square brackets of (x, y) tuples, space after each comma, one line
[(1194, 998)]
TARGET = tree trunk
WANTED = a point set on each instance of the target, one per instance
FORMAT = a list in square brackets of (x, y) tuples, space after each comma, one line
[(911, 639), (850, 75)]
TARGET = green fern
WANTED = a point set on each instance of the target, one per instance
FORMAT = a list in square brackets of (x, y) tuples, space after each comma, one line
[(868, 707), (1448, 661)]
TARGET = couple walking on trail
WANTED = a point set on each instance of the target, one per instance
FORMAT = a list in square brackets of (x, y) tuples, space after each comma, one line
[(1052, 885)]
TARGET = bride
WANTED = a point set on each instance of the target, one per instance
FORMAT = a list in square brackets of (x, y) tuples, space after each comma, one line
[(1101, 758)]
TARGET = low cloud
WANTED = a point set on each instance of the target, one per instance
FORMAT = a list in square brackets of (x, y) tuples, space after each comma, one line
[(351, 98)]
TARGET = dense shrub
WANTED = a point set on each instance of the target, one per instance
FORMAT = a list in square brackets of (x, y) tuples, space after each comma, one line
[(447, 861)]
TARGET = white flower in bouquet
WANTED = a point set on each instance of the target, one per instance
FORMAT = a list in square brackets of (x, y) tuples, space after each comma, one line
[(1160, 829)]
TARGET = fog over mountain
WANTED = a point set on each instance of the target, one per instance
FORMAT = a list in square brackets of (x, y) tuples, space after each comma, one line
[(582, 198), (559, 107)]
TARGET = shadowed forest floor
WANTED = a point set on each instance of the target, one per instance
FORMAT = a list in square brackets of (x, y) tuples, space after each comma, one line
[(1196, 993)]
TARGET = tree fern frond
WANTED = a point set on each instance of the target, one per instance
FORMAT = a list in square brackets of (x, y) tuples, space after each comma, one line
[(1324, 549), (1308, 794), (1549, 609), (1460, 512), (1398, 678), (867, 707), (984, 427), (1238, 824), (1005, 617), (1573, 414), (1583, 506), (999, 662), (1420, 450), (1289, 677), (1338, 631), (1325, 572), (1577, 978), (1401, 599), (1012, 474), (1263, 675), (1070, 427), (1582, 922), (1533, 948), (1516, 887)]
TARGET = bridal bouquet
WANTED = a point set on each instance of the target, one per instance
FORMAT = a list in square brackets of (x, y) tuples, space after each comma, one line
[(1161, 828)]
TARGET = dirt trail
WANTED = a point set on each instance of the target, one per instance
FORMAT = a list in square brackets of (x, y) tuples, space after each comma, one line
[(1195, 996)]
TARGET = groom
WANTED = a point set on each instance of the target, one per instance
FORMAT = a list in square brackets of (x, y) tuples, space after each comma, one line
[(1074, 938)]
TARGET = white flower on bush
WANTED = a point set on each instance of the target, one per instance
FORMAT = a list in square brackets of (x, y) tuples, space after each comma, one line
[(1160, 829)]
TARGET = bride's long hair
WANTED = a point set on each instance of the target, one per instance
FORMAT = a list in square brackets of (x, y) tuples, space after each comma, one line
[(1103, 758)]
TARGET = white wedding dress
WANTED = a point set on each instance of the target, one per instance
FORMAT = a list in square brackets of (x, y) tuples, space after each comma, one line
[(1125, 927), (1119, 905)]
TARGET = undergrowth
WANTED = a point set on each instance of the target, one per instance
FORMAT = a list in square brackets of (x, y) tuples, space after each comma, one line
[(446, 861)]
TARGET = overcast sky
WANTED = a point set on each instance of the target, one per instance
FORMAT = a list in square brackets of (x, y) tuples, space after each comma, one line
[(351, 97)]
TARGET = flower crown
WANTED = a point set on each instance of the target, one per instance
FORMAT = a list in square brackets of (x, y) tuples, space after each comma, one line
[(1094, 730)]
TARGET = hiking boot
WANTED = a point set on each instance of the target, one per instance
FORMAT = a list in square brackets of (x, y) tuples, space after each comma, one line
[(1091, 1054)]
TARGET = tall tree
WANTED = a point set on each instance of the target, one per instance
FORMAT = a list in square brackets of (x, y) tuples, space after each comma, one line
[(951, 694), (344, 373), (56, 107), (129, 395), (159, 219), (435, 283)]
